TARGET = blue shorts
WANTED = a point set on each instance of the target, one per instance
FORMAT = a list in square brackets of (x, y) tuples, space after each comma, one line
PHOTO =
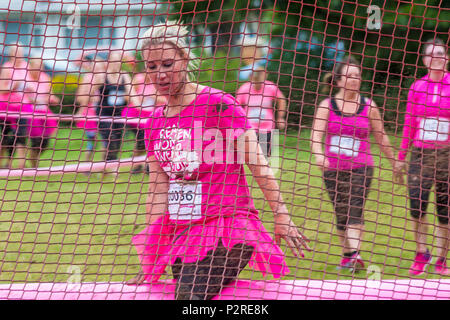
[(91, 136)]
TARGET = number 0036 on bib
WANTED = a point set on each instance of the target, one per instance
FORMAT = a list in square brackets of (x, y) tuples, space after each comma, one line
[(434, 129), (185, 201)]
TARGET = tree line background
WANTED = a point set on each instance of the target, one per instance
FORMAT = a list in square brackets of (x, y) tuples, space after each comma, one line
[(306, 38)]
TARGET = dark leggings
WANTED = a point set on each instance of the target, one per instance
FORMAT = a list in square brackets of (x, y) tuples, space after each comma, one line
[(428, 167), (12, 137), (348, 192), (112, 134), (39, 144), (203, 280), (140, 138)]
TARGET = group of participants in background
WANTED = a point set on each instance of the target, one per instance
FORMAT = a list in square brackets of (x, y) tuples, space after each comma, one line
[(24, 89), (210, 236), (340, 143), (105, 93)]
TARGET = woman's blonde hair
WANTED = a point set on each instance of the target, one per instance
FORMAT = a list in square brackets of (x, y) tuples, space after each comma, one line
[(259, 42), (330, 78), (174, 33), (437, 42)]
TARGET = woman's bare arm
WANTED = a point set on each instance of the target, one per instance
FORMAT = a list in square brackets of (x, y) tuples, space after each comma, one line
[(318, 132), (377, 129), (158, 188), (263, 175), (130, 92)]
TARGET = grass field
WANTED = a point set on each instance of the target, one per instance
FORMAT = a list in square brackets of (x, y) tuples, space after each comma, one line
[(50, 224)]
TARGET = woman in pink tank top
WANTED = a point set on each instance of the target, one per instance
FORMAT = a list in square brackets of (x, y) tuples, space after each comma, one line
[(347, 120), (13, 78), (38, 91), (200, 213), (427, 129), (259, 97)]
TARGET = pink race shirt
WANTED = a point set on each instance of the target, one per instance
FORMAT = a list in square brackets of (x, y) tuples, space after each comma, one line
[(347, 144), (205, 179), (427, 118), (12, 103), (39, 92), (259, 104), (42, 127)]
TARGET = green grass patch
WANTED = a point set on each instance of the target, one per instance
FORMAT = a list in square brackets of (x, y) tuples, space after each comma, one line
[(50, 224)]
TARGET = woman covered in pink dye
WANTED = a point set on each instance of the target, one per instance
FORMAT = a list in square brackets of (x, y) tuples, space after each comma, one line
[(427, 130), (148, 100), (259, 97), (38, 91), (13, 78), (340, 142), (200, 214)]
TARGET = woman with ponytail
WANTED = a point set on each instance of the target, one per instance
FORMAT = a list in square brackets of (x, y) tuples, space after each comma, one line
[(346, 119)]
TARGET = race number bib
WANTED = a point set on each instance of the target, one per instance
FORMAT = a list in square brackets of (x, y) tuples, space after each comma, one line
[(148, 102), (116, 98), (256, 113), (347, 146), (434, 129), (185, 201)]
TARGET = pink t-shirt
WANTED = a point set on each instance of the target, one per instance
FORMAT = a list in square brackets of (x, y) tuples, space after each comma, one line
[(10, 102), (259, 104), (39, 91), (427, 118), (191, 149), (13, 103), (347, 144), (42, 127)]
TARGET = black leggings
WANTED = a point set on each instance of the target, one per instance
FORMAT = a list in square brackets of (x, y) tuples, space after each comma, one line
[(203, 280), (12, 137), (428, 167), (39, 143), (140, 138), (112, 135), (348, 192)]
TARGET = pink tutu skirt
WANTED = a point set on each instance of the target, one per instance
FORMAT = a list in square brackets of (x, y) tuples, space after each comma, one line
[(161, 243)]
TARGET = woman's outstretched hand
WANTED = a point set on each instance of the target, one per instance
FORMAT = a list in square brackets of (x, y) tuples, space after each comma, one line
[(399, 171), (287, 230)]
